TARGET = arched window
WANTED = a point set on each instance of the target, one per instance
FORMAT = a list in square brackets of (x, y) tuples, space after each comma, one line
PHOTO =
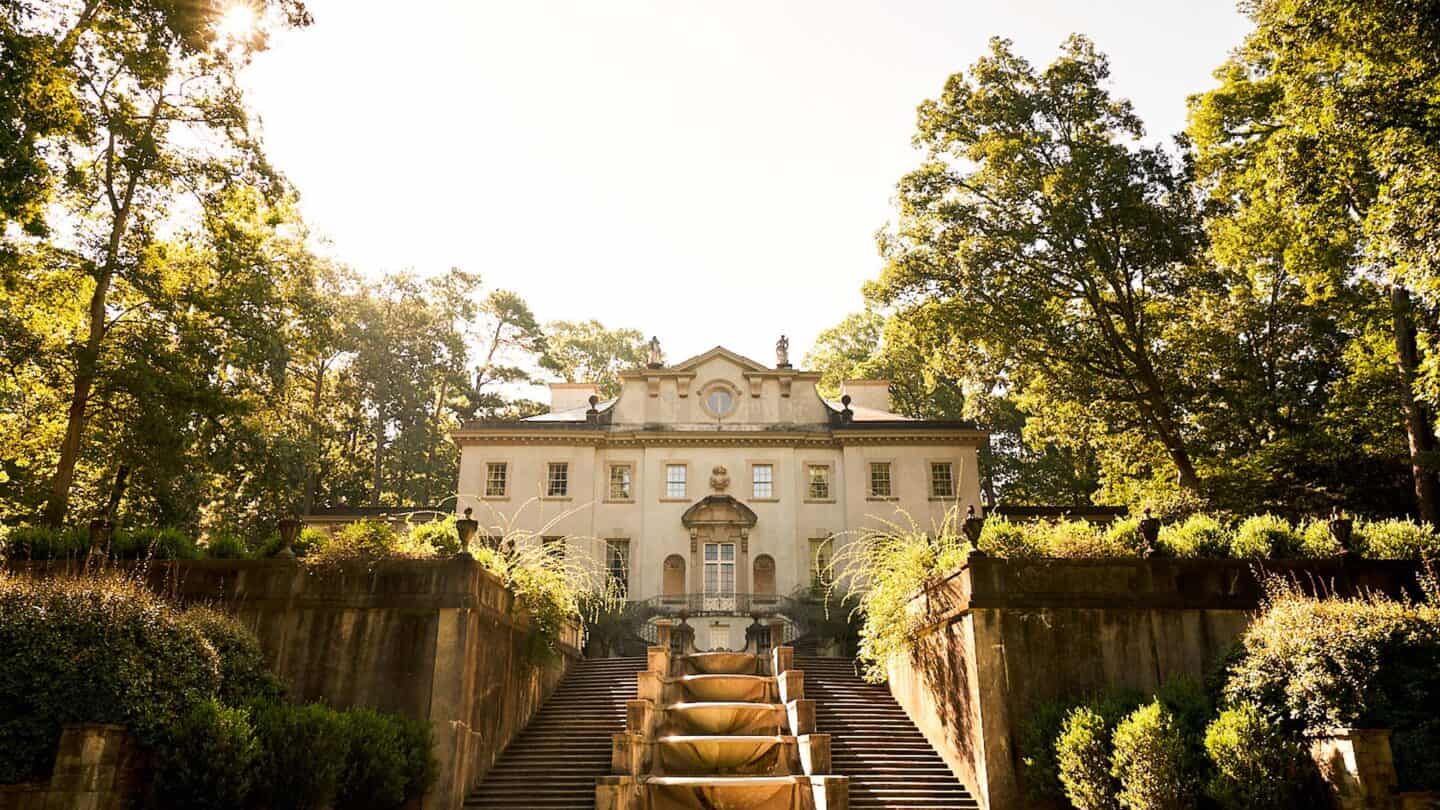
[(764, 579), (673, 581)]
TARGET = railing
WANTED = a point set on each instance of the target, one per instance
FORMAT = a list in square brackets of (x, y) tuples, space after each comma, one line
[(713, 604)]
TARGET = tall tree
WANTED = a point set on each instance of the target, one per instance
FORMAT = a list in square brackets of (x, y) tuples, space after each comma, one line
[(586, 351), (1320, 150), (146, 111), (1038, 233)]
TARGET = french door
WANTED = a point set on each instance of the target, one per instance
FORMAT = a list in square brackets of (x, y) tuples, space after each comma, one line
[(719, 576)]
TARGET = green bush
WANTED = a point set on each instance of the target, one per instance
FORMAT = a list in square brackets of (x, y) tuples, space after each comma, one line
[(46, 543), (153, 544), (439, 535), (1317, 542), (208, 760), (244, 677), (1152, 763), (1254, 763), (1199, 536), (303, 756), (1079, 540), (1124, 536), (1082, 753), (227, 546), (1265, 537), (1039, 768), (309, 538), (1397, 540), (1310, 665), (1001, 538), (388, 761), (97, 651), (368, 540)]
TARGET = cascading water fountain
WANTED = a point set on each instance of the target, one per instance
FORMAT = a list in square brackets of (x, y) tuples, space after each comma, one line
[(721, 731)]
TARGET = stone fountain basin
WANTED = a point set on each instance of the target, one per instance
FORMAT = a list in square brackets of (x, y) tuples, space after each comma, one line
[(732, 688), (722, 793), (749, 755), (726, 717), (721, 663)]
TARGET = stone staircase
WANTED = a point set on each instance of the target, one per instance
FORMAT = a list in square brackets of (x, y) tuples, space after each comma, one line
[(554, 761), (873, 742)]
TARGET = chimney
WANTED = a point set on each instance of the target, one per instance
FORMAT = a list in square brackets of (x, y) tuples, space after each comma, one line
[(872, 394), (569, 396)]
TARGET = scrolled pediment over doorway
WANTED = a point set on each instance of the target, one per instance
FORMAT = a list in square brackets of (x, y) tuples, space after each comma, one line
[(718, 510)]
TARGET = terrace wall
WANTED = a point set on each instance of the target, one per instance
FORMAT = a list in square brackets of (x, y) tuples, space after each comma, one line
[(1002, 636)]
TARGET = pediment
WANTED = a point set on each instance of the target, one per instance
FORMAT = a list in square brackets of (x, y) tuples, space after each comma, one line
[(692, 363), (718, 510)]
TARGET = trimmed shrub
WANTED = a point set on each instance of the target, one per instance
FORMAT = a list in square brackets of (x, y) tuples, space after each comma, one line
[(1255, 765), (387, 762), (1265, 537), (227, 546), (1082, 753), (1124, 536), (304, 754), (1310, 665), (1317, 542), (1039, 768), (153, 544), (1001, 538), (46, 543), (1198, 536), (1079, 539), (244, 677), (208, 761), (1152, 763), (96, 651), (308, 539), (361, 540), (1397, 540), (439, 535)]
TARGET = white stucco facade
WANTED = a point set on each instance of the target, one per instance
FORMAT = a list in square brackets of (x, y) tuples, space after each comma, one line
[(565, 473)]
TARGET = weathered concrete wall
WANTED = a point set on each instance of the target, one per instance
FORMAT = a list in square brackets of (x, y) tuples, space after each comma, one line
[(436, 640), (97, 767), (1002, 636)]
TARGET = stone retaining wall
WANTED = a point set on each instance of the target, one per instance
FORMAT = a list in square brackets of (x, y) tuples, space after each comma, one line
[(436, 640), (97, 767), (1002, 636)]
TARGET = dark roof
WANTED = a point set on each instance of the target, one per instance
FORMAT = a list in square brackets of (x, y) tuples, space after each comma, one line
[(1086, 511), (374, 511)]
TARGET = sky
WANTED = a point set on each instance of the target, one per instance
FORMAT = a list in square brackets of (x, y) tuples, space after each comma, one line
[(709, 173)]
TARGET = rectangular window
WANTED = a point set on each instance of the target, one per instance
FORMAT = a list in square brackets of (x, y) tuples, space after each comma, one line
[(819, 475), (617, 564), (720, 569), (942, 480), (674, 480), (762, 480), (821, 550), (620, 482), (557, 480), (496, 479), (554, 547), (880, 479)]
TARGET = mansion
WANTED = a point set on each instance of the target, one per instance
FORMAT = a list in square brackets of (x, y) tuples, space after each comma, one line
[(716, 478)]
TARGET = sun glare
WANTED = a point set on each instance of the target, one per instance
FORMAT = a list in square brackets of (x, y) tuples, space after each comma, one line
[(237, 21)]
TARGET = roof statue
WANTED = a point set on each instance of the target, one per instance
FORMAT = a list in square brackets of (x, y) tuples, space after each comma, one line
[(782, 352), (656, 359)]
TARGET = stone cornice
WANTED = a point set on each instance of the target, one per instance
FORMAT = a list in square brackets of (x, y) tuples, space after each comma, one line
[(578, 436)]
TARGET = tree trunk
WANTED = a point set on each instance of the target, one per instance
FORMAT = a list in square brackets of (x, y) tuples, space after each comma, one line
[(377, 476), (1419, 422), (117, 491), (58, 508), (312, 481)]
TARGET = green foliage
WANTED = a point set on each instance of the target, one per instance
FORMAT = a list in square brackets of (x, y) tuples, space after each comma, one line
[(227, 546), (1311, 665), (1265, 537), (98, 651), (1397, 540), (1255, 764), (1080, 539), (1039, 766), (1083, 755), (244, 677), (438, 535), (208, 760), (1199, 536), (1152, 763), (369, 540), (585, 351), (1001, 538), (153, 544), (1317, 542), (304, 756), (388, 761), (46, 543)]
